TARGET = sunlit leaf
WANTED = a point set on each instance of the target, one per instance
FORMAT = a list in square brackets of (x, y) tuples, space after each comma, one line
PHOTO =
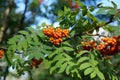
[(84, 65), (82, 59), (68, 48), (88, 71), (24, 32), (53, 69), (100, 74), (81, 53), (62, 68), (93, 74)]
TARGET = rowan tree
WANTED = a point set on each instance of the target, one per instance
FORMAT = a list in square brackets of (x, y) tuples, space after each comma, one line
[(70, 48)]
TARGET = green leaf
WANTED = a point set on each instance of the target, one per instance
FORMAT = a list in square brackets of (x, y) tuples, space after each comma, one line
[(81, 53), (82, 59), (58, 57), (14, 47), (19, 46), (67, 57), (66, 43), (62, 68), (34, 4), (101, 11), (23, 32), (35, 52), (33, 35), (114, 77), (68, 48), (11, 41), (84, 10), (78, 74), (24, 44), (84, 65), (99, 74), (76, 71), (60, 62), (40, 33), (87, 37), (91, 8), (85, 23), (99, 5), (29, 39), (31, 29), (67, 10), (92, 17), (114, 4), (47, 47), (93, 74), (43, 24), (72, 32), (94, 62), (57, 51), (88, 71), (68, 69), (18, 37), (53, 69), (47, 52), (39, 55), (113, 29), (112, 11), (48, 63), (35, 38)]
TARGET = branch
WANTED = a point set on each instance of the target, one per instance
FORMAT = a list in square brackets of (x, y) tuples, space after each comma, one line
[(88, 32), (95, 34), (6, 72), (110, 21), (5, 20), (23, 16)]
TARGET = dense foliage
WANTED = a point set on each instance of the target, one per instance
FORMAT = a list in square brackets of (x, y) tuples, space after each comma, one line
[(71, 48)]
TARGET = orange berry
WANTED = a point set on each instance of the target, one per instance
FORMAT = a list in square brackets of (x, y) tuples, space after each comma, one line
[(112, 48), (1, 53), (60, 39), (48, 31), (55, 34), (51, 39), (107, 46), (65, 32)]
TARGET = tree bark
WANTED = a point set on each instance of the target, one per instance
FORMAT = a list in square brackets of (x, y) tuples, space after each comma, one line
[(5, 20)]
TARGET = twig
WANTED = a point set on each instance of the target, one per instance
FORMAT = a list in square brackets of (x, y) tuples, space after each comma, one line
[(110, 21), (88, 32), (95, 34)]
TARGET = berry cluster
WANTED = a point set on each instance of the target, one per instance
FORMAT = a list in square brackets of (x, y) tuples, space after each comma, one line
[(55, 34), (107, 46), (35, 63), (89, 45), (1, 53)]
